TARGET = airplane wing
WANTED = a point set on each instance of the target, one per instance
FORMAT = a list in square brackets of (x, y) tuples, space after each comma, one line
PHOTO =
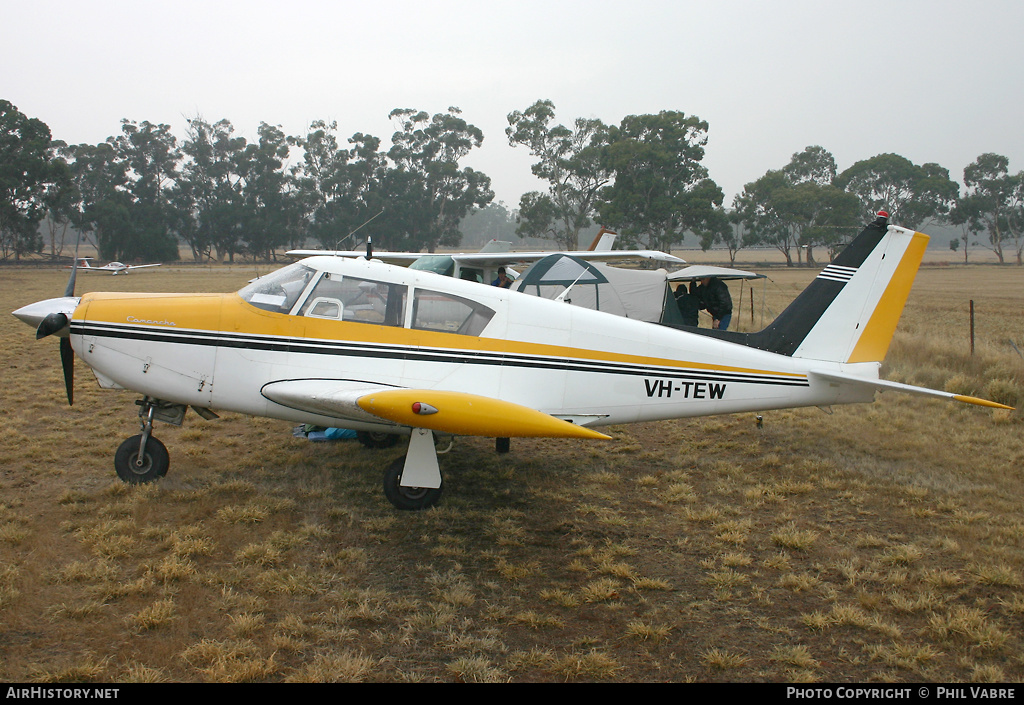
[(457, 413), (494, 259), (882, 385), (400, 258), (141, 266), (498, 259)]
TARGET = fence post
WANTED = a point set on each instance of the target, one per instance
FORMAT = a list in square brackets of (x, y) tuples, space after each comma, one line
[(972, 326)]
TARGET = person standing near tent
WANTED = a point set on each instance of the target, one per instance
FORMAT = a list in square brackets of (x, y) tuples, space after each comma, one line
[(714, 296), (689, 305)]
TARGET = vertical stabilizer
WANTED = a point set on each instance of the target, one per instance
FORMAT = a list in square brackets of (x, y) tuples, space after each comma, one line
[(603, 241), (850, 311), (859, 323)]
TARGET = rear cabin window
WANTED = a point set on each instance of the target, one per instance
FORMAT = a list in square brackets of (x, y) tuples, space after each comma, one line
[(358, 300), (433, 310)]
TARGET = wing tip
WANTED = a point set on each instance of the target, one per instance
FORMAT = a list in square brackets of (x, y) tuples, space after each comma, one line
[(981, 402)]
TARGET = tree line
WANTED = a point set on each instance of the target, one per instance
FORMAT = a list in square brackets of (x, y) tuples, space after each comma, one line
[(142, 194)]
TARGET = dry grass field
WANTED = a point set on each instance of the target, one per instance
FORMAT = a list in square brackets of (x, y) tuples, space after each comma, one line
[(879, 543)]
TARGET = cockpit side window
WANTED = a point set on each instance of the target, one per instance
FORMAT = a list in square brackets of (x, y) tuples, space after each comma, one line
[(434, 310), (359, 300), (278, 291)]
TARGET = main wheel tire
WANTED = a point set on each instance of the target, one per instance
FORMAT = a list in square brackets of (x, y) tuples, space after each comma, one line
[(377, 439), (155, 461), (409, 499)]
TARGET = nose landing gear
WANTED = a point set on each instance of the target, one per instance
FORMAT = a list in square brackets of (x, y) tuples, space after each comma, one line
[(143, 458)]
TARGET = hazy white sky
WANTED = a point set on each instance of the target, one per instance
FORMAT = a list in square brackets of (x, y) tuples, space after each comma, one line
[(933, 80)]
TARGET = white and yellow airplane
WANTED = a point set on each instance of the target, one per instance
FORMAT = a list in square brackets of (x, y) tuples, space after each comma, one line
[(84, 264), (362, 344)]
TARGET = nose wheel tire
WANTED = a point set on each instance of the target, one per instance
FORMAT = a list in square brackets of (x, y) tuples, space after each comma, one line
[(155, 461), (407, 498)]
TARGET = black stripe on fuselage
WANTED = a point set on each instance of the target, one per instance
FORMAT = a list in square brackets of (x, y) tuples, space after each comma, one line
[(417, 354)]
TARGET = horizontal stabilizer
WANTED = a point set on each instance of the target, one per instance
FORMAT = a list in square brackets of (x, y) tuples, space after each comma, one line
[(468, 415), (883, 385)]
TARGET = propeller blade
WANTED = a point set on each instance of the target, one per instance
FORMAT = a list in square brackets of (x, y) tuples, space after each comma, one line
[(69, 290), (51, 324), (67, 361)]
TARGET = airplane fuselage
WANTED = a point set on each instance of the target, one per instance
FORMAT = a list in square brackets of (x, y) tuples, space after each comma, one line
[(225, 353)]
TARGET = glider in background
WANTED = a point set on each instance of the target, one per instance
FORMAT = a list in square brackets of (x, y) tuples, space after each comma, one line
[(84, 264)]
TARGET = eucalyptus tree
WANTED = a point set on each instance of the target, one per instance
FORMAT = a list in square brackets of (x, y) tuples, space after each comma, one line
[(271, 215), (964, 215), (428, 191), (797, 207), (911, 194), (660, 190), (208, 191), (32, 177), (735, 235), (99, 196), (59, 198), (758, 210), (573, 162), (138, 220), (993, 204), (337, 190), (813, 165)]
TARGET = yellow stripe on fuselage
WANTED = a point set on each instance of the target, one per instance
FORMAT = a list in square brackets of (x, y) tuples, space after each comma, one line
[(874, 341), (229, 313)]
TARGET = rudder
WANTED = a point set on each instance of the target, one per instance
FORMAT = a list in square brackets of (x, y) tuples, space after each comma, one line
[(849, 312), (859, 323)]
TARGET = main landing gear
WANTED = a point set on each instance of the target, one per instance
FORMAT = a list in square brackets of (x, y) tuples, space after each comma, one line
[(414, 482), (377, 439)]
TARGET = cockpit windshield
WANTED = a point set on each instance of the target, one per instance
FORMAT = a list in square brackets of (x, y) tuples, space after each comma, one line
[(298, 290), (438, 264), (278, 291)]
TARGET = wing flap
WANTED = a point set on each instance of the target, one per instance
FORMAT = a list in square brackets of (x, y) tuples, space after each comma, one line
[(465, 414)]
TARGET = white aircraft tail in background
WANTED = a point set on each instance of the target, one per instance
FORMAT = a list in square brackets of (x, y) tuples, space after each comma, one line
[(603, 241)]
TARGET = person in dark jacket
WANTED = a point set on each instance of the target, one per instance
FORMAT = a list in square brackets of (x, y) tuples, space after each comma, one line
[(689, 306), (715, 299)]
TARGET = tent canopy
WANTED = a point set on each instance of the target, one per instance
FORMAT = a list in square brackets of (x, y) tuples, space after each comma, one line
[(632, 293)]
